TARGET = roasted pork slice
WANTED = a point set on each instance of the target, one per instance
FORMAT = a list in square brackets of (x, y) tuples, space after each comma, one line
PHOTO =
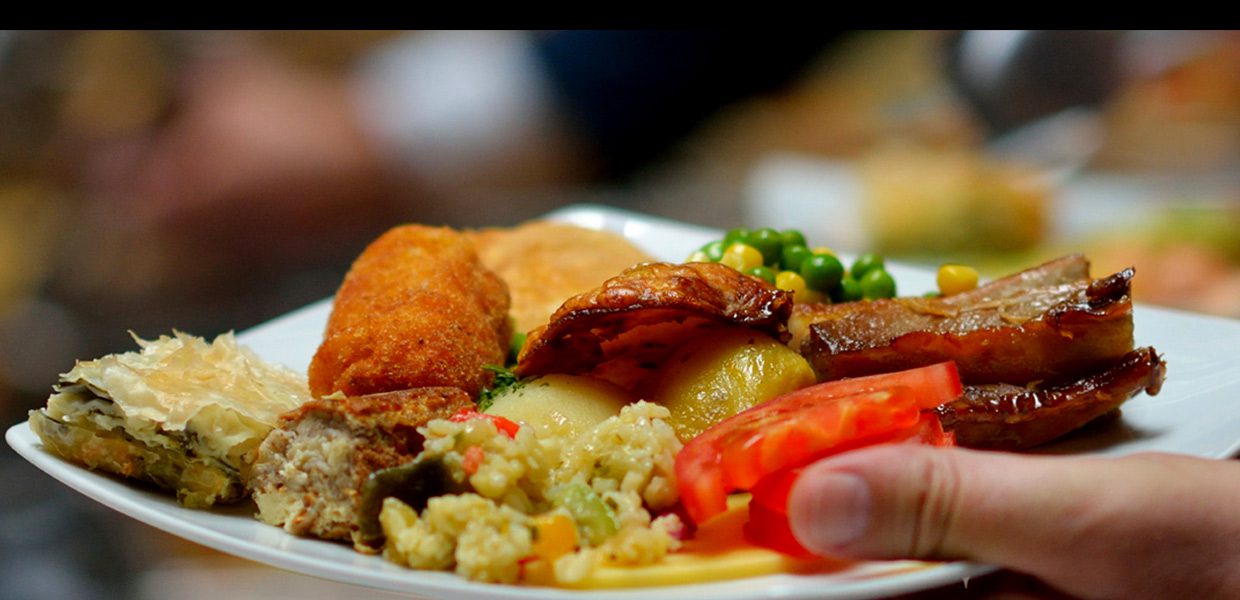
[(1012, 331), (1066, 269), (623, 330), (181, 413), (311, 469), (1012, 417)]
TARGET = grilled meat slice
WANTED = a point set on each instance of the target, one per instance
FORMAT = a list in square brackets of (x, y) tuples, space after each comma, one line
[(1011, 417), (311, 469), (1012, 333), (1066, 269), (622, 330)]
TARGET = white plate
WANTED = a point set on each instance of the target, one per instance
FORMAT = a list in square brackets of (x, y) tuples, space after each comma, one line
[(1193, 415)]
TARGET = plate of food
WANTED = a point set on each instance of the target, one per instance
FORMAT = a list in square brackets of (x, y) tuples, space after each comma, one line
[(379, 442)]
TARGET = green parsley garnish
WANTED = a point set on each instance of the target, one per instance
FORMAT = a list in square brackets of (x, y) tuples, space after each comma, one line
[(505, 381)]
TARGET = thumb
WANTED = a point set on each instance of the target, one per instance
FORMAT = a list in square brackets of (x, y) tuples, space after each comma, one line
[(1089, 526)]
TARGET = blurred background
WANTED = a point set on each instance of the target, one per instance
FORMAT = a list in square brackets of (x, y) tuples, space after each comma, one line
[(209, 181)]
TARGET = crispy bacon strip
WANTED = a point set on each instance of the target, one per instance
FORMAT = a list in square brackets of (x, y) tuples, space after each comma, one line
[(1010, 417), (622, 330)]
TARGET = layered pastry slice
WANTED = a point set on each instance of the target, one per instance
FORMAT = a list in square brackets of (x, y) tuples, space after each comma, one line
[(181, 413)]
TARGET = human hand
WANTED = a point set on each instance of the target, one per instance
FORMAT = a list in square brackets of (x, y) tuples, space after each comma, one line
[(1148, 525)]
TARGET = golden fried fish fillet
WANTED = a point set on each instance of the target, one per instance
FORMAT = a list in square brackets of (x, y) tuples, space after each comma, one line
[(544, 263), (623, 330), (417, 309)]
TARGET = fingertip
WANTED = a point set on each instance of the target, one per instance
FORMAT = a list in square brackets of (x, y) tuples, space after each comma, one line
[(883, 502), (829, 511)]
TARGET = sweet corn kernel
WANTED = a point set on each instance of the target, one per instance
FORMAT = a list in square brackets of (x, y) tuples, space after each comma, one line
[(792, 282), (953, 279), (741, 257)]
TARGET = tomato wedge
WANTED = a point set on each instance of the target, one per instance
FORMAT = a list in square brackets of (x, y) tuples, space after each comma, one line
[(768, 508), (803, 426)]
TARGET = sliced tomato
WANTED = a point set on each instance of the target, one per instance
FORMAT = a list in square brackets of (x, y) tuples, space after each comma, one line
[(802, 426), (772, 491), (770, 529), (768, 508)]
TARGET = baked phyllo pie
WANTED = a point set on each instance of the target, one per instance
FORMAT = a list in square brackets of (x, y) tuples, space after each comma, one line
[(181, 413)]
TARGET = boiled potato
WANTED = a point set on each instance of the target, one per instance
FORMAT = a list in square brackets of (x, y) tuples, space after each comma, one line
[(572, 404), (720, 374)]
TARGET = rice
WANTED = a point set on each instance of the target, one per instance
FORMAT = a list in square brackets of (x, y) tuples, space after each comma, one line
[(609, 480)]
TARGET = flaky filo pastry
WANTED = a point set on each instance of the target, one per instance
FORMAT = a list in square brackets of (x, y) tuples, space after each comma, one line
[(181, 413)]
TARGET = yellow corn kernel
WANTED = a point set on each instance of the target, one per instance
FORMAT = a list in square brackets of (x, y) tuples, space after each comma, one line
[(741, 257), (698, 256), (555, 535), (813, 296), (792, 282), (823, 250), (538, 572), (953, 279)]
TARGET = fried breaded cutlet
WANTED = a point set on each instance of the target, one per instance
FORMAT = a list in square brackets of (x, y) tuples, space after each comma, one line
[(417, 309), (545, 263), (310, 470)]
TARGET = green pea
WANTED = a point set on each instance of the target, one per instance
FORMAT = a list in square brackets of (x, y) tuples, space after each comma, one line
[(822, 272), (714, 250), (877, 283), (739, 235), (865, 263), (849, 290), (792, 257), (764, 273), (792, 237), (768, 242)]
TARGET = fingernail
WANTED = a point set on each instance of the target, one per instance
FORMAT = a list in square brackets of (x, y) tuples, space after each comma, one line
[(829, 511)]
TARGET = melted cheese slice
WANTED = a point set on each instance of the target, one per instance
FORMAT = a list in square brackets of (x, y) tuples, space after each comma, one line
[(717, 552)]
